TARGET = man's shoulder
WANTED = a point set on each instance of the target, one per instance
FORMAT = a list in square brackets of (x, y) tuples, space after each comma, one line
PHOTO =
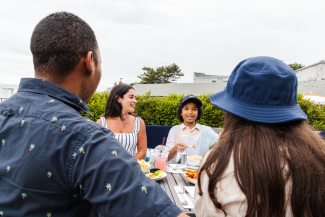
[(49, 110)]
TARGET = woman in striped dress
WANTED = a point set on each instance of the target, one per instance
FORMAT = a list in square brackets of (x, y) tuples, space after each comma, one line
[(130, 131)]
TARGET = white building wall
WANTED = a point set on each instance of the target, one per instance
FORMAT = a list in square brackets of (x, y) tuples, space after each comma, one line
[(322, 71), (7, 90), (312, 72), (207, 80), (308, 74)]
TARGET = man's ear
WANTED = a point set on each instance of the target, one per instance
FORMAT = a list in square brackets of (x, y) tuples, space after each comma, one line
[(90, 62)]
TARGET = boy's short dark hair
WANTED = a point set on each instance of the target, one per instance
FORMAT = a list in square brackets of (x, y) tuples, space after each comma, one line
[(59, 41), (180, 107)]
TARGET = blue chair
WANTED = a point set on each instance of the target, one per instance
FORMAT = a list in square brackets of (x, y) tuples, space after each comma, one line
[(322, 134), (156, 134)]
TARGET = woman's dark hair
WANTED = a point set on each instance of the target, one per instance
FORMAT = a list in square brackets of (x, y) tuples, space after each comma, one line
[(180, 107), (265, 157), (113, 107)]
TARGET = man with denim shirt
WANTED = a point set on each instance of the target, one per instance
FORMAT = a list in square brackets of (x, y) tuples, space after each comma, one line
[(53, 161)]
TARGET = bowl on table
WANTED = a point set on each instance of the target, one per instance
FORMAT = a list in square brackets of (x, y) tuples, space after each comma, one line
[(195, 162), (145, 169), (193, 181), (190, 176)]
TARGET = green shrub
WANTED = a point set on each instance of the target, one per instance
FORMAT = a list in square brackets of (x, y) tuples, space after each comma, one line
[(96, 106), (314, 112), (162, 110)]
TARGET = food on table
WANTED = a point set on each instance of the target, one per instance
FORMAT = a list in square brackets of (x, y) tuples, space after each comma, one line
[(157, 174), (144, 164), (194, 157), (191, 174)]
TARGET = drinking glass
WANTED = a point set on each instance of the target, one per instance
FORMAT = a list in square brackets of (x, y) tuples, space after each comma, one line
[(161, 156), (181, 158)]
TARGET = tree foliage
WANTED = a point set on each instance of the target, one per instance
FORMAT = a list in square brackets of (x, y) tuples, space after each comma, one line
[(296, 66), (164, 74)]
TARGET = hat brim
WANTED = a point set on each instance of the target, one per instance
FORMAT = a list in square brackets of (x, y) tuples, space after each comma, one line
[(257, 113), (193, 99)]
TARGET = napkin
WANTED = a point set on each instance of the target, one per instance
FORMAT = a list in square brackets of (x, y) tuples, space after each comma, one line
[(189, 205), (190, 190)]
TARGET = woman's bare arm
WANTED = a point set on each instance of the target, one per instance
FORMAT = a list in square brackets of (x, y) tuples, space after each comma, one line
[(142, 142)]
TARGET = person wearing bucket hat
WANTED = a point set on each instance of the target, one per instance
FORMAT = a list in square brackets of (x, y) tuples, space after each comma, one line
[(190, 134), (268, 162), (261, 89)]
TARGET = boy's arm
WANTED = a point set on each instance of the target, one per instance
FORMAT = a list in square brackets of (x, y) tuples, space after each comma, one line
[(213, 136)]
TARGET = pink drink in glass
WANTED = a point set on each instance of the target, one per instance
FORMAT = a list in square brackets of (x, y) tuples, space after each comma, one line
[(161, 162)]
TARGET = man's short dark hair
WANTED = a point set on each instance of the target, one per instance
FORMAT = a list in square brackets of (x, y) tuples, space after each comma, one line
[(180, 107), (58, 43)]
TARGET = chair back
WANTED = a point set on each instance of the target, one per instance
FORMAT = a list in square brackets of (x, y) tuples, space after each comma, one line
[(156, 134)]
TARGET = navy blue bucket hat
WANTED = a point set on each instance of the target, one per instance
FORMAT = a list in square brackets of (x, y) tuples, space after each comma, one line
[(261, 89)]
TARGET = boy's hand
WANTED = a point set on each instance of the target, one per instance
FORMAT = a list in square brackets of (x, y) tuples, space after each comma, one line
[(181, 146)]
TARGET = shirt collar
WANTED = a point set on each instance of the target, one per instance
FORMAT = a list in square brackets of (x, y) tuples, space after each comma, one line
[(197, 126), (40, 86)]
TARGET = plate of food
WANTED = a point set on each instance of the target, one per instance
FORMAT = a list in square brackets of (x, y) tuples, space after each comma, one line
[(194, 160), (190, 175), (156, 176)]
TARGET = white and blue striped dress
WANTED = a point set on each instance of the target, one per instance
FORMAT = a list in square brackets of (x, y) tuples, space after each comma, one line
[(128, 140)]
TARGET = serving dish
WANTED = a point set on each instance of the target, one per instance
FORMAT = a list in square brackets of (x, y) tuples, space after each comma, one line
[(193, 162), (193, 181)]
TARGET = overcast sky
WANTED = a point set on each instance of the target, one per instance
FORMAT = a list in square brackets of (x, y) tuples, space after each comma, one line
[(199, 36)]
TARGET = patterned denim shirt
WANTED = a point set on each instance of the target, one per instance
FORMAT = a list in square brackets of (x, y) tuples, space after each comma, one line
[(54, 162)]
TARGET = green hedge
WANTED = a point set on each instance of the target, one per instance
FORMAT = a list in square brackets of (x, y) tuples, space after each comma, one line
[(315, 113), (96, 106), (162, 110)]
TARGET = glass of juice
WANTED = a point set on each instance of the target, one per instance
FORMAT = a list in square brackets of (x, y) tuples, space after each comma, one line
[(161, 156), (181, 158)]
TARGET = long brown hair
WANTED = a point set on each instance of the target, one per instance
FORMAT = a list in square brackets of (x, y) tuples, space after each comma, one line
[(113, 107), (260, 152)]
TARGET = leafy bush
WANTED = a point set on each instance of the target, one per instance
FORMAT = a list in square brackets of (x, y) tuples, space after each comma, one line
[(96, 106), (162, 110), (315, 113)]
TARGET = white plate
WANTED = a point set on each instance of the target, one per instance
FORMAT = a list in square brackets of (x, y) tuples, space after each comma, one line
[(192, 167), (158, 179), (193, 181)]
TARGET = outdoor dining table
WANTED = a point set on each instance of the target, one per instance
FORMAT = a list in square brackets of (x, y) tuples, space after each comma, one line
[(168, 183)]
